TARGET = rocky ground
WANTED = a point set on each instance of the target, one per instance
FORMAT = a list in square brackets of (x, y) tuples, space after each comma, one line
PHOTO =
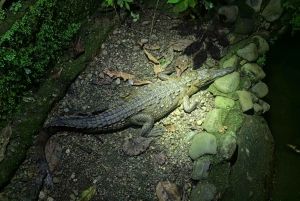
[(98, 160)]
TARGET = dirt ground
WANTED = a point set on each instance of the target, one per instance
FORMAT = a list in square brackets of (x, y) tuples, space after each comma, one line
[(82, 161)]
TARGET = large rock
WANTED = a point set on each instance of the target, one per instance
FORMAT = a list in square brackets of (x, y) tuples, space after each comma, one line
[(251, 175), (260, 90), (228, 83), (261, 43), (202, 144), (245, 99), (212, 122), (273, 10), (244, 26), (231, 12), (203, 192), (249, 52), (255, 4), (253, 71)]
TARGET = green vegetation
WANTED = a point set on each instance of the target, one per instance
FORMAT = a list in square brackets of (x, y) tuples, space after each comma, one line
[(15, 6), (261, 60), (182, 5), (121, 4), (294, 9), (28, 49)]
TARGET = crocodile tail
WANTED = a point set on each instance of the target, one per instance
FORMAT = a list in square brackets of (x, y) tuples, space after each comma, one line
[(44, 171)]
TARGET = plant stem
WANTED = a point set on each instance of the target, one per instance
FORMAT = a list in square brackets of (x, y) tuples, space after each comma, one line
[(152, 24)]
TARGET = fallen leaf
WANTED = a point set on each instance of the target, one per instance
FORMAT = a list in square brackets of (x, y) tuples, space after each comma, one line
[(152, 47), (4, 140), (123, 75), (181, 44), (137, 82), (88, 194), (78, 48), (170, 127), (140, 43), (151, 58), (53, 154), (157, 69), (166, 190), (181, 64), (56, 74), (133, 147)]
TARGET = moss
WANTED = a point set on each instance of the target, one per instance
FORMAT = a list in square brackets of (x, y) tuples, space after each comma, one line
[(34, 113)]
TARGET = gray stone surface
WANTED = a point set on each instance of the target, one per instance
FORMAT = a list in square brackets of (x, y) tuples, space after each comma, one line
[(231, 12), (255, 4), (260, 89), (233, 61), (212, 122), (273, 10), (202, 144), (258, 108), (245, 100), (228, 83), (252, 171), (262, 44), (223, 102), (201, 168), (244, 26), (266, 106), (203, 192), (253, 71), (249, 52), (227, 145)]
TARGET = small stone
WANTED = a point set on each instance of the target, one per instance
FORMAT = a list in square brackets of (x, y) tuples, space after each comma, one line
[(102, 45), (89, 75), (50, 199), (66, 110), (190, 136), (145, 23), (42, 195), (144, 40), (104, 52), (118, 81), (153, 37), (201, 168), (73, 197), (115, 32), (203, 192), (55, 180)]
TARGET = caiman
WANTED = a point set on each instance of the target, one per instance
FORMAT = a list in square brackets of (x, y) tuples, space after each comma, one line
[(145, 106)]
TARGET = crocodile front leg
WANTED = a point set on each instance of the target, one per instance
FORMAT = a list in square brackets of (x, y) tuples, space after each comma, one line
[(187, 106), (146, 120)]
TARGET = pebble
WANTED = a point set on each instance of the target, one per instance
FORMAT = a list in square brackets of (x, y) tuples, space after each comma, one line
[(118, 81), (73, 197), (42, 195), (55, 180), (75, 192), (89, 75), (144, 40), (115, 32), (66, 110), (104, 52), (145, 23), (102, 45), (50, 199)]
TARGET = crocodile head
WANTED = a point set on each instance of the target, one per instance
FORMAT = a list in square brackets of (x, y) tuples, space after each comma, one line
[(203, 77)]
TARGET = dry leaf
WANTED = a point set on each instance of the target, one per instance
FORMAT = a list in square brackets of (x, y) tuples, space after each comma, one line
[(140, 43), (180, 45), (56, 74), (133, 147), (88, 194), (182, 64), (166, 190), (53, 154), (123, 75), (152, 47), (157, 69), (4, 140), (78, 48), (170, 127), (151, 58), (139, 82)]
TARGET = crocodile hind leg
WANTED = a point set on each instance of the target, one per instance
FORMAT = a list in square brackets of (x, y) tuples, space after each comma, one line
[(146, 120), (187, 106)]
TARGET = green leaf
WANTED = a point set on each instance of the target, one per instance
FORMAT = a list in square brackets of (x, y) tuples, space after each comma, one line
[(88, 194), (129, 1), (173, 1), (127, 6), (208, 5), (182, 6), (136, 17), (192, 3)]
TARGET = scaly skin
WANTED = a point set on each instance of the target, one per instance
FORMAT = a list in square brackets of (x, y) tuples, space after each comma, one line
[(145, 106)]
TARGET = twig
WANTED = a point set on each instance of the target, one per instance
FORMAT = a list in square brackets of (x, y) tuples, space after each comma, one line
[(152, 24)]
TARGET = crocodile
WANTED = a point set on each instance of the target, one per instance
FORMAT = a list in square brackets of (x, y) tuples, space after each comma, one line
[(145, 106)]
